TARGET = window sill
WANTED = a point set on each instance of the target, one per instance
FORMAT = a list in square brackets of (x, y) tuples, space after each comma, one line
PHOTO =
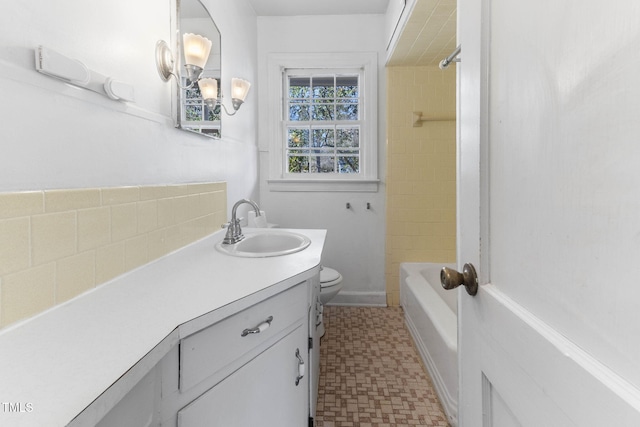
[(328, 185)]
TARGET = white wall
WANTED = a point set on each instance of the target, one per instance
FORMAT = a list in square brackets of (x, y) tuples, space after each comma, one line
[(355, 241), (57, 136)]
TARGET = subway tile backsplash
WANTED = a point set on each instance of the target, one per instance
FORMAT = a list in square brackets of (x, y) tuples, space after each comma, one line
[(57, 244)]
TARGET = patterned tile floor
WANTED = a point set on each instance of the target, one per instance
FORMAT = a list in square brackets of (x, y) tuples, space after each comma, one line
[(371, 375)]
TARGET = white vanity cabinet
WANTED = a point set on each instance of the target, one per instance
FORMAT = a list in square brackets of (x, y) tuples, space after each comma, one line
[(267, 391), (245, 369), (252, 365)]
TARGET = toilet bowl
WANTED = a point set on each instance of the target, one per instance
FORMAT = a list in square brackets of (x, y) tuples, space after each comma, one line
[(330, 284)]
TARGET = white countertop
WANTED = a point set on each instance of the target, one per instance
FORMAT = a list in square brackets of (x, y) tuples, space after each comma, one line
[(57, 363)]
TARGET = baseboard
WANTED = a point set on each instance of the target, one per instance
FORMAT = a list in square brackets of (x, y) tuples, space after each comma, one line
[(354, 298)]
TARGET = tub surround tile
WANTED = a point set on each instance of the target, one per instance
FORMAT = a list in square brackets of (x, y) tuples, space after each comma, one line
[(61, 243), (420, 171)]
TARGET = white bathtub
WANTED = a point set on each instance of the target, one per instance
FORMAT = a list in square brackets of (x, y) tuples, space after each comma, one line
[(431, 317)]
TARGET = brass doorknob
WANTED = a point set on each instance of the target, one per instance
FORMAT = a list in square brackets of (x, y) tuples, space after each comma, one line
[(451, 278)]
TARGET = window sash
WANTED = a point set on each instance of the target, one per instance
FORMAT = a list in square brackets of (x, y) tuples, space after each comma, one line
[(342, 103)]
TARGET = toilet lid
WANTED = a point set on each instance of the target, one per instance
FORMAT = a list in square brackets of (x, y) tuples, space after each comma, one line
[(328, 275)]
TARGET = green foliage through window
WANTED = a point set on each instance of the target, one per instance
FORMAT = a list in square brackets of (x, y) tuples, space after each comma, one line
[(323, 123)]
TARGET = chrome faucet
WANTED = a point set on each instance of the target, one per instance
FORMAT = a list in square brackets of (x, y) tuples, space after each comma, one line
[(234, 231)]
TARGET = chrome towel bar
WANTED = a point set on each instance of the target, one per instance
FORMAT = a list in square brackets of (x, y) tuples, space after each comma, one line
[(451, 58)]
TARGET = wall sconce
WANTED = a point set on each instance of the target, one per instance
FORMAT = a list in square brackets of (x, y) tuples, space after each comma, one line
[(209, 90), (196, 52)]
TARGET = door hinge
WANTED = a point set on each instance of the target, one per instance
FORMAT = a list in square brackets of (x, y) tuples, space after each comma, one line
[(310, 343)]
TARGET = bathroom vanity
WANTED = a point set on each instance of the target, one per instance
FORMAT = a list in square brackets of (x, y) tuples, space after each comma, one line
[(196, 338)]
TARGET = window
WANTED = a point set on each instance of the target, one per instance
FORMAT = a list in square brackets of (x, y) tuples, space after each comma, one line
[(322, 126), (196, 115), (323, 117)]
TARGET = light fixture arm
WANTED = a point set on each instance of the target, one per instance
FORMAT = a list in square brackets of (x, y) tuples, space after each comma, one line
[(236, 103), (208, 86), (227, 111), (212, 102)]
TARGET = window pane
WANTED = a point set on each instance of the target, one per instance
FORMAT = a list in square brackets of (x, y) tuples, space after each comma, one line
[(193, 112), (298, 137), (348, 164), (347, 87), (323, 138), (323, 112), (298, 111), (322, 164), (299, 87), (298, 164), (347, 111), (193, 93), (348, 138), (323, 87), (212, 115)]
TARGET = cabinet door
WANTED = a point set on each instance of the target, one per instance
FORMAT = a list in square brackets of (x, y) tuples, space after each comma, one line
[(261, 393)]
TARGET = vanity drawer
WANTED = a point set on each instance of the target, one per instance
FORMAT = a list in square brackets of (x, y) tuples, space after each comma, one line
[(208, 351)]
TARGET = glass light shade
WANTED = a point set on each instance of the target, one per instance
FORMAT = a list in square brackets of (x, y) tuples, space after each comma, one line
[(208, 88), (196, 49), (239, 89)]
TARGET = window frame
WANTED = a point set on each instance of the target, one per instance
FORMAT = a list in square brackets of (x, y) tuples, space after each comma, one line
[(279, 177), (314, 125)]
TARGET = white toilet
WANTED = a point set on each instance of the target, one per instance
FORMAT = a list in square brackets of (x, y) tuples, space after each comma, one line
[(330, 284)]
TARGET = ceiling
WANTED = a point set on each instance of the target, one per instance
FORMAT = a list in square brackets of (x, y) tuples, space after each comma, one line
[(429, 34), (427, 37)]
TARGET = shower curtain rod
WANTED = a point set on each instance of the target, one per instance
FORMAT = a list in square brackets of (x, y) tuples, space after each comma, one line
[(451, 58)]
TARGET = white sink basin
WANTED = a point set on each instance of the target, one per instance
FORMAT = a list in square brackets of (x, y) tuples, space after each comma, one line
[(267, 243)]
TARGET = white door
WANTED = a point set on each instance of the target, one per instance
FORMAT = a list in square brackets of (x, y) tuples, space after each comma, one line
[(549, 212)]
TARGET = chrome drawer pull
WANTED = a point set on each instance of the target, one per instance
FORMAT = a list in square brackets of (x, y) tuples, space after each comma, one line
[(300, 366), (261, 327)]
